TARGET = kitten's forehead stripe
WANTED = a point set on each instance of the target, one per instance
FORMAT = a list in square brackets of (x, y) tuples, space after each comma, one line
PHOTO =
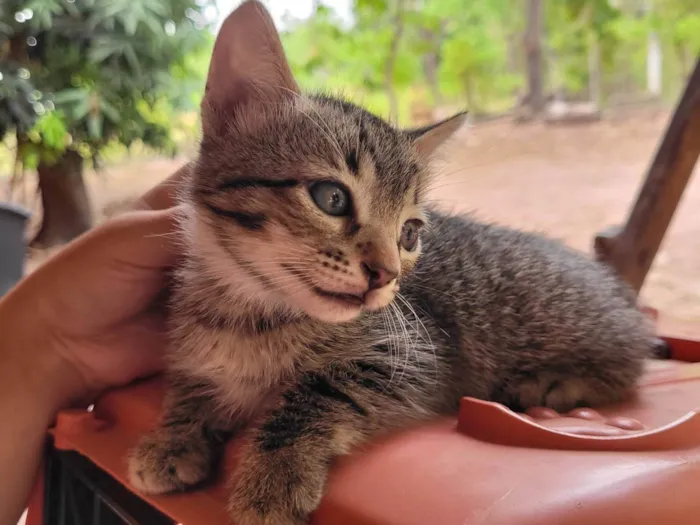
[(249, 221), (236, 184), (387, 170), (352, 162)]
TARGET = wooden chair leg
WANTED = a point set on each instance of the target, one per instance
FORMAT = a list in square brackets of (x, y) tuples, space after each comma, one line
[(632, 248)]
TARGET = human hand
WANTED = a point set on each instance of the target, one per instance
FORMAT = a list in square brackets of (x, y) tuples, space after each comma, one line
[(90, 318)]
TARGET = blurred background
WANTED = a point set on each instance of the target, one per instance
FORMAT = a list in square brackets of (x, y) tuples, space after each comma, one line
[(568, 99)]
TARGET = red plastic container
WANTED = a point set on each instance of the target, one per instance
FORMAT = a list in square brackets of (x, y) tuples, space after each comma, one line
[(637, 463)]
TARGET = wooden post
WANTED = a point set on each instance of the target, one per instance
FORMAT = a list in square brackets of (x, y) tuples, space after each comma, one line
[(533, 50), (631, 250)]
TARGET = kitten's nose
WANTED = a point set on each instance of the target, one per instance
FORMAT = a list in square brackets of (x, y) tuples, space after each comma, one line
[(378, 276)]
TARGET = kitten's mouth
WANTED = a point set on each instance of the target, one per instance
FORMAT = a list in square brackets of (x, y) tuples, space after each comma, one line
[(346, 299), (342, 299)]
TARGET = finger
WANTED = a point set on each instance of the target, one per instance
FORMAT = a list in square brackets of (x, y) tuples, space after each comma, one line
[(118, 269), (164, 195), (142, 343), (144, 239)]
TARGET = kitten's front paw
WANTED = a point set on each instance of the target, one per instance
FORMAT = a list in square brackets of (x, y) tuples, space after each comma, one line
[(279, 488), (166, 463), (564, 394)]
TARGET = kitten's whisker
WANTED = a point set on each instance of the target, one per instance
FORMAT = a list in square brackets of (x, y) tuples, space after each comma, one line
[(307, 102), (393, 349), (273, 279), (414, 340), (359, 134), (406, 346), (292, 250), (435, 290), (401, 343), (268, 269), (277, 263), (328, 129), (425, 331), (427, 315), (332, 142)]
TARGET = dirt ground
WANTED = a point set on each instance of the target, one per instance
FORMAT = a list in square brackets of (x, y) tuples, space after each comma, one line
[(569, 182)]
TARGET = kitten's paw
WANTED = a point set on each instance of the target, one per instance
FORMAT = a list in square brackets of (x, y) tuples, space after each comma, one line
[(166, 463), (275, 489), (565, 394)]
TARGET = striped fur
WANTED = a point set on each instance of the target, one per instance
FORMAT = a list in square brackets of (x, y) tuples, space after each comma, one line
[(264, 331)]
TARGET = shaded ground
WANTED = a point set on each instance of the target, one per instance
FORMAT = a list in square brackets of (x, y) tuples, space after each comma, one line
[(569, 182)]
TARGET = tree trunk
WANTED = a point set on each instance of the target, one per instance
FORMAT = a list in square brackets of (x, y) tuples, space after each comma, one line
[(654, 56), (431, 63), (391, 62), (533, 48), (470, 94), (65, 201), (594, 70), (515, 59), (654, 65), (685, 59)]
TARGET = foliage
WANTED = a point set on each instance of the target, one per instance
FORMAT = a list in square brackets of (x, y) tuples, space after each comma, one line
[(97, 71), (106, 71), (17, 98), (478, 47)]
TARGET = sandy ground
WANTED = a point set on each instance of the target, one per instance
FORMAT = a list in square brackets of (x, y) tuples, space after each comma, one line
[(569, 182)]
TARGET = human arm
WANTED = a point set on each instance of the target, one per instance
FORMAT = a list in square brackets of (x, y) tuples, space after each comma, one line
[(85, 321)]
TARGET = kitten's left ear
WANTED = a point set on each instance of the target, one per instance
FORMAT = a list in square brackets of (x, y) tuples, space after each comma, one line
[(428, 138)]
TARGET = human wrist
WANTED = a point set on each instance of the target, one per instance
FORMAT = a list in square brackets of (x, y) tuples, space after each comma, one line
[(30, 363)]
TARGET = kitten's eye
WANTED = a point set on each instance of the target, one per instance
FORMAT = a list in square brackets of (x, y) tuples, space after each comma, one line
[(409, 234), (331, 198)]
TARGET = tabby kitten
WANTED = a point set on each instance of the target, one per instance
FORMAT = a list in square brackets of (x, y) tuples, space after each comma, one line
[(304, 217)]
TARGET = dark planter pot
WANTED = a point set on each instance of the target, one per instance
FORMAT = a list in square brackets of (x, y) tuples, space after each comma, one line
[(12, 246)]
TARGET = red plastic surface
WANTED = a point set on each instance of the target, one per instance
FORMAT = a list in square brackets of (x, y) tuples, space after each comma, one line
[(637, 463)]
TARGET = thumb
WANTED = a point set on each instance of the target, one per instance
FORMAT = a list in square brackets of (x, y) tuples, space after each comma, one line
[(111, 272), (144, 239)]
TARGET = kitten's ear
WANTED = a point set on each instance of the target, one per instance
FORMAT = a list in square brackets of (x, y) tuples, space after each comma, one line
[(248, 65), (428, 138)]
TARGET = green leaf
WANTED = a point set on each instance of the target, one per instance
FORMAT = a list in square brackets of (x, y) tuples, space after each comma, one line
[(52, 130), (81, 109), (30, 155), (133, 59), (68, 96), (131, 22), (94, 124), (109, 111), (154, 25), (103, 48)]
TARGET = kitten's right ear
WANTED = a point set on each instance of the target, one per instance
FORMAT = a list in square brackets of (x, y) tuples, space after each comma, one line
[(248, 65)]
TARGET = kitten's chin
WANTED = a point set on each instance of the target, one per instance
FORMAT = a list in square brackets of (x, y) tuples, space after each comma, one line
[(328, 309), (336, 308)]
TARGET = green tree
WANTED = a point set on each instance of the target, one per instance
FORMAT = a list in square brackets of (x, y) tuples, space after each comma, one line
[(477, 62), (582, 41), (678, 22), (79, 74)]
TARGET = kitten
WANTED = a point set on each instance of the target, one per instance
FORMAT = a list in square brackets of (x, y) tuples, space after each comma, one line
[(304, 217)]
